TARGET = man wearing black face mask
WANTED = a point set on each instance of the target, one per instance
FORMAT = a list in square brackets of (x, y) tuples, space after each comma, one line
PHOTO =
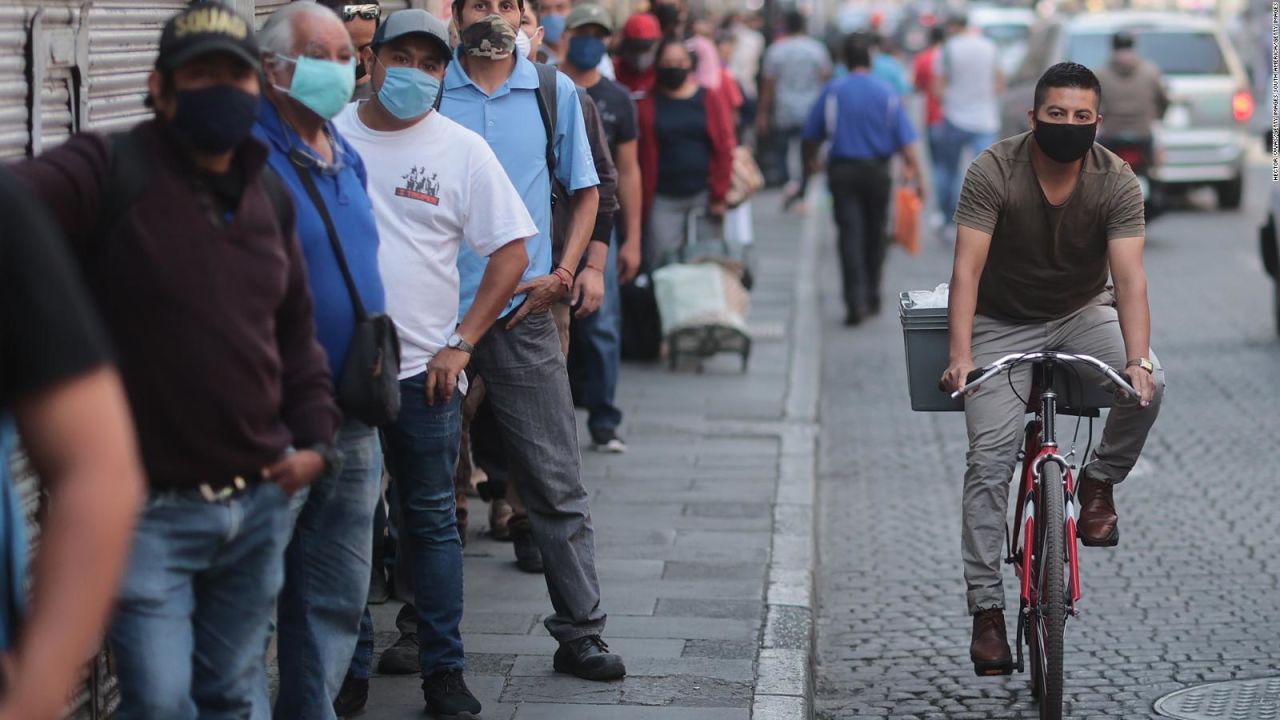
[(186, 242), (1043, 218)]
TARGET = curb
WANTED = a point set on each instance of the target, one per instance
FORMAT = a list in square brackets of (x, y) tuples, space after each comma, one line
[(784, 683)]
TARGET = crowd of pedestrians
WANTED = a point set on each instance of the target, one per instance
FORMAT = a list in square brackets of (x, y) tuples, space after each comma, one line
[(358, 263)]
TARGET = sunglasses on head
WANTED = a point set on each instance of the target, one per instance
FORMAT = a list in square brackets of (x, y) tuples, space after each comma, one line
[(364, 12)]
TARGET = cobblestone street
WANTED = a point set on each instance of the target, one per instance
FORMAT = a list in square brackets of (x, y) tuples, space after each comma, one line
[(1188, 597)]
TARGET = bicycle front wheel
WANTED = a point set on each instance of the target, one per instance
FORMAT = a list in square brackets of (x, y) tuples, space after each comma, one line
[(1049, 612)]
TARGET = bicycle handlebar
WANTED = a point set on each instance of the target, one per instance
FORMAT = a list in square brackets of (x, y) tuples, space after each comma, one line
[(981, 375)]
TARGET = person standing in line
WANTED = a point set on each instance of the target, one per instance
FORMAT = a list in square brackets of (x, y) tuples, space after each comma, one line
[(637, 54), (686, 153), (867, 124), (436, 187), (58, 387), (309, 67), (217, 344), (795, 68), (966, 75), (361, 20), (596, 339), (552, 16), (494, 92)]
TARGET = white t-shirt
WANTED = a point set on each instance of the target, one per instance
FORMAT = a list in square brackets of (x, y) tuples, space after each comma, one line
[(432, 186), (969, 63)]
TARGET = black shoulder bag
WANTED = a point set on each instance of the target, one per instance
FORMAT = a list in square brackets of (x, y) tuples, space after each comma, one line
[(369, 385)]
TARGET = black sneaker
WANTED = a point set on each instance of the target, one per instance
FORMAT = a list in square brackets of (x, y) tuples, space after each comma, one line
[(448, 698), (352, 698), (608, 442), (528, 556), (589, 658)]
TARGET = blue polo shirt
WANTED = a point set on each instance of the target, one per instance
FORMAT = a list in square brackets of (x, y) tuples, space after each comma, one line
[(510, 122), (863, 117), (343, 191)]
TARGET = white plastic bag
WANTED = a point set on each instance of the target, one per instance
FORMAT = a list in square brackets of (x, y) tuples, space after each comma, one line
[(698, 295), (935, 298)]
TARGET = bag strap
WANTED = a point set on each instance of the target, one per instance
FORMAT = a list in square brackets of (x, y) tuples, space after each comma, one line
[(548, 109), (313, 192)]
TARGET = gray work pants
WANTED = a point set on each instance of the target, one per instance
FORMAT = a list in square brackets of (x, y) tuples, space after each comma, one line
[(527, 386), (995, 417)]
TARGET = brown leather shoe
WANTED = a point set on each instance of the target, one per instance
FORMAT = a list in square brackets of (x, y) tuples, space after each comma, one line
[(1098, 525), (989, 648)]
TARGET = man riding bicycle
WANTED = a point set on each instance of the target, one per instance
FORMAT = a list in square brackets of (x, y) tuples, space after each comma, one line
[(1042, 218)]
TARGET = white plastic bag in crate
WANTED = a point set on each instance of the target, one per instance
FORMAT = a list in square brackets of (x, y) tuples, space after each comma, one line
[(699, 294)]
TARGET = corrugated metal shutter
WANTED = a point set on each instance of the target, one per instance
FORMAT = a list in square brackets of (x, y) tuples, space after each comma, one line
[(263, 9), (13, 81), (54, 56), (124, 36)]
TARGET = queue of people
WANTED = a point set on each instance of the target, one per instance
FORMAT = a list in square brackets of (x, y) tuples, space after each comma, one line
[(366, 239)]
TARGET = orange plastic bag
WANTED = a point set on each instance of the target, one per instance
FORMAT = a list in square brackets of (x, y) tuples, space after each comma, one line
[(906, 219)]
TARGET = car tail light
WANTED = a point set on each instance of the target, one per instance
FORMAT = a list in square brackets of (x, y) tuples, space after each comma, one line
[(1131, 155), (1242, 106)]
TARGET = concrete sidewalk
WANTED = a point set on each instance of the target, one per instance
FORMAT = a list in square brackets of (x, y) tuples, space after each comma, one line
[(703, 537)]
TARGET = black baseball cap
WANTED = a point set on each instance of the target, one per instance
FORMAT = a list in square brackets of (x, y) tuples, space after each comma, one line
[(205, 27)]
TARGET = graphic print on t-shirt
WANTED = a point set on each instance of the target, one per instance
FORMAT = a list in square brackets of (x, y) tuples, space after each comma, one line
[(417, 186)]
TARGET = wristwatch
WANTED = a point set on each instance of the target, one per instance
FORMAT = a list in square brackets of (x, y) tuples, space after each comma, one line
[(1143, 363), (457, 342), (331, 454)]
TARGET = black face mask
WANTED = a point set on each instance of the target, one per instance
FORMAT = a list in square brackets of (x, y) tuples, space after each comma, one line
[(672, 78), (1065, 142), (214, 119)]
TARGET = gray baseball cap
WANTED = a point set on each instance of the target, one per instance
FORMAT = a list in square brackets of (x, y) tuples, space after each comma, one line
[(410, 22), (587, 14)]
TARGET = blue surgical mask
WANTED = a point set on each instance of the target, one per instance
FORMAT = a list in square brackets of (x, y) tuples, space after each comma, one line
[(408, 93), (586, 52), (553, 25), (323, 86)]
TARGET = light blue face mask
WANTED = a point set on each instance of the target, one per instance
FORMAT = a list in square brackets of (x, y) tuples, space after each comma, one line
[(323, 86), (408, 93), (553, 26)]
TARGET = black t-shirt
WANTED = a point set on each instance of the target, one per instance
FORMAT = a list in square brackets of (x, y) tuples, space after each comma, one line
[(617, 112), (684, 145), (48, 330)]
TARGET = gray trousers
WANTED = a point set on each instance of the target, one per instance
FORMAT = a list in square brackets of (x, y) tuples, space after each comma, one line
[(668, 227), (528, 389), (995, 419)]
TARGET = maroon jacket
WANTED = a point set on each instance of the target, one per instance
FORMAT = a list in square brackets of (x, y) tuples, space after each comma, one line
[(723, 140), (209, 314)]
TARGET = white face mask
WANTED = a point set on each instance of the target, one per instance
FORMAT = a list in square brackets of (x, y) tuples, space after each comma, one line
[(523, 44)]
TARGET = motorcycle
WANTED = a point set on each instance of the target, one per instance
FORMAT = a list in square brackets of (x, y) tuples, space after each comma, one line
[(1141, 154)]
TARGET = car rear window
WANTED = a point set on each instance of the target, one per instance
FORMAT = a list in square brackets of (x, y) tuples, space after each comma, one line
[(1006, 34), (1174, 52)]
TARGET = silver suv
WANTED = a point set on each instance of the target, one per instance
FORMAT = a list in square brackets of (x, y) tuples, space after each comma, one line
[(1205, 132)]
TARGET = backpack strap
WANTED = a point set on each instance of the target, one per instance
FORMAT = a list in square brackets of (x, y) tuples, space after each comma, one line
[(547, 107), (126, 179)]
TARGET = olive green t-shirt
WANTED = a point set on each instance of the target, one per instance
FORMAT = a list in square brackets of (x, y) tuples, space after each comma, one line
[(1046, 261)]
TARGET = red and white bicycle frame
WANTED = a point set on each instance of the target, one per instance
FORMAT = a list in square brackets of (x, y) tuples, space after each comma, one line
[(1035, 455)]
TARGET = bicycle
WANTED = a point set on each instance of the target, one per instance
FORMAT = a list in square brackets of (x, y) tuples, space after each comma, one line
[(1042, 548)]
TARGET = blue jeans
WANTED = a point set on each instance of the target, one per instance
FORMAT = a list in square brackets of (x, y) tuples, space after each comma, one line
[(948, 144), (362, 661), (596, 343), (327, 569), (202, 581), (422, 451)]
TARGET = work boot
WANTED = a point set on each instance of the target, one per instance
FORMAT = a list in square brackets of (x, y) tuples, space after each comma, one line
[(589, 658), (402, 657), (989, 649), (528, 556), (448, 698), (1098, 525), (352, 698)]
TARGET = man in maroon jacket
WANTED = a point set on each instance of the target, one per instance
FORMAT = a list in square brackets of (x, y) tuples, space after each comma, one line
[(187, 245)]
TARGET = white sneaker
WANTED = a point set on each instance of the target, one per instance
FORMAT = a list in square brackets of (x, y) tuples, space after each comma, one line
[(610, 444)]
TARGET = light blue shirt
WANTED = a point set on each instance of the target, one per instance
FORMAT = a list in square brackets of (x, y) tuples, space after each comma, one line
[(510, 122)]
